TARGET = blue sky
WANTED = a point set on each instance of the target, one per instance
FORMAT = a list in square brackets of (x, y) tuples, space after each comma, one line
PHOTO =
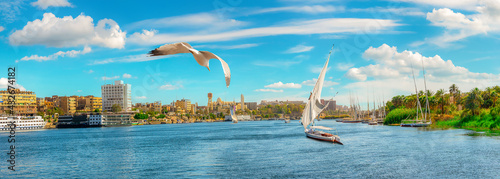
[(274, 48)]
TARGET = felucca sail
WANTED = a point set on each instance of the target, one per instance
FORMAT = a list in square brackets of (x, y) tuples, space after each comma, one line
[(314, 106), (233, 117)]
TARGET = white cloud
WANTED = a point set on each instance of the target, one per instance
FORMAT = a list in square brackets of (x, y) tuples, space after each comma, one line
[(89, 72), (312, 82), (44, 4), (459, 26), (304, 27), (78, 91), (269, 90), (344, 66), (317, 69), (315, 9), (129, 59), (71, 53), (299, 49), (394, 70), (4, 83), (109, 78), (169, 86), (396, 11), (283, 85), (126, 75), (68, 32), (1, 28), (227, 47), (140, 97), (206, 22), (458, 4)]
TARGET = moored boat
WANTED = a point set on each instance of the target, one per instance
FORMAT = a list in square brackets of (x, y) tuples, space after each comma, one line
[(22, 122), (351, 121), (313, 108)]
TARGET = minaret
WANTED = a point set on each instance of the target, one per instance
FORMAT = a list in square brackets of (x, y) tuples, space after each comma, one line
[(209, 105), (242, 102)]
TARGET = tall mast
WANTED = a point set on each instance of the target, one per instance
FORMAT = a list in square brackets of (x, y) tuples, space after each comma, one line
[(426, 95), (416, 91)]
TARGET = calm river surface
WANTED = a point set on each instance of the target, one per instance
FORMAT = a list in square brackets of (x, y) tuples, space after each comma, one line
[(258, 149)]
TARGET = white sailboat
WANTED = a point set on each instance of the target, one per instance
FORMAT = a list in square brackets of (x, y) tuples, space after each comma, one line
[(425, 114), (233, 116), (314, 108)]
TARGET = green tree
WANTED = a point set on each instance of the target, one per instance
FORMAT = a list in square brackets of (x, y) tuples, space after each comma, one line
[(440, 99), (454, 91), (96, 110), (116, 108), (161, 116), (474, 101)]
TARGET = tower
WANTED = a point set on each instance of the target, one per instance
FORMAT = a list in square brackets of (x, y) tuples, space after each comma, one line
[(209, 105), (242, 102)]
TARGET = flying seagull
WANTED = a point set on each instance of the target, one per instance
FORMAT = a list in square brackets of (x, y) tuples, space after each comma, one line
[(202, 57)]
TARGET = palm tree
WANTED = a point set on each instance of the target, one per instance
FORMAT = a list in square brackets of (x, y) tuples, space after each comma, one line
[(440, 97), (453, 91), (474, 101)]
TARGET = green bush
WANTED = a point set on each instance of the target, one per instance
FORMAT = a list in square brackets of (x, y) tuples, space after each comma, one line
[(140, 116), (397, 115)]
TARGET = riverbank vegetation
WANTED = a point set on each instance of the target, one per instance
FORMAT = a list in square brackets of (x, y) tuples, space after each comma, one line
[(477, 109)]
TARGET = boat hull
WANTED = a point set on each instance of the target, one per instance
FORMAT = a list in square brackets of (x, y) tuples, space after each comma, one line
[(373, 123), (415, 125), (332, 138), (350, 121)]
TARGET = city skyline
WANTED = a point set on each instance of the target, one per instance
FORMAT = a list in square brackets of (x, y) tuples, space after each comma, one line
[(274, 49)]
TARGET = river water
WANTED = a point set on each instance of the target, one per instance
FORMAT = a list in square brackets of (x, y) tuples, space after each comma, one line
[(257, 149)]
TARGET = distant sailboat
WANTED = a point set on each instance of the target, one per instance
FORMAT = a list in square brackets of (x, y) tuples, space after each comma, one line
[(233, 116), (314, 108), (423, 120)]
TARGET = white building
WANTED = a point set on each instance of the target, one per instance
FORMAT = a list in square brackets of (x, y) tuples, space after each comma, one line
[(95, 120), (118, 93)]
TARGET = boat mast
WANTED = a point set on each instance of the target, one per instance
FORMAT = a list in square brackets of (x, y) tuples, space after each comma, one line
[(416, 91), (427, 110)]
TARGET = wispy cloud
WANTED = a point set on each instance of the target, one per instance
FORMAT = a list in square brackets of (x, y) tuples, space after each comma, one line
[(283, 85), (109, 78), (315, 9), (71, 53), (170, 86), (227, 47), (44, 4), (129, 59), (299, 49), (312, 82), (204, 21), (1, 28), (269, 90), (344, 66), (396, 11), (301, 27), (140, 97)]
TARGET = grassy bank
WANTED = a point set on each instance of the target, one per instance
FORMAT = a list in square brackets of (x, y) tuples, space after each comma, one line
[(487, 120), (397, 115), (335, 116)]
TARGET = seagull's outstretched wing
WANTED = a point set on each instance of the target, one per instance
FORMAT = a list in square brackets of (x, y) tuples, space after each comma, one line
[(227, 73), (202, 57), (170, 49)]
